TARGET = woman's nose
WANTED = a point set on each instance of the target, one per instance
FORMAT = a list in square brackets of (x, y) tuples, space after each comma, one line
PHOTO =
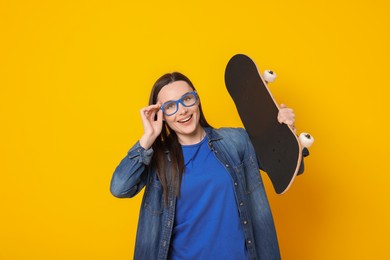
[(182, 109)]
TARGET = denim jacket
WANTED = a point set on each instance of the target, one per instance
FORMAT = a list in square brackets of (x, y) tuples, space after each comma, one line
[(234, 150)]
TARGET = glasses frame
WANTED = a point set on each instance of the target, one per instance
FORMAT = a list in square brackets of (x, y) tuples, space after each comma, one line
[(180, 100)]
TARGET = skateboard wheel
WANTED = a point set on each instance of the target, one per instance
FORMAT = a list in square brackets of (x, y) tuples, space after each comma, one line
[(306, 140), (269, 76)]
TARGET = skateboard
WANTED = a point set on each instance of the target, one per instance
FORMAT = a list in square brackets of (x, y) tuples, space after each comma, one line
[(278, 148)]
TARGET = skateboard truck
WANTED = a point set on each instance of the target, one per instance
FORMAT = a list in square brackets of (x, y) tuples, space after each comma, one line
[(305, 139)]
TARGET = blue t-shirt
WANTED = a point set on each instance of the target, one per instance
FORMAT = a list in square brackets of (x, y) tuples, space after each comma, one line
[(207, 223)]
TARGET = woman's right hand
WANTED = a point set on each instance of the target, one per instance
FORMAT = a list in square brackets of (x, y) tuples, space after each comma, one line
[(152, 126)]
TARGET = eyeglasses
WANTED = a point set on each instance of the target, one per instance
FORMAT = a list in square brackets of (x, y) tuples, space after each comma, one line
[(188, 100)]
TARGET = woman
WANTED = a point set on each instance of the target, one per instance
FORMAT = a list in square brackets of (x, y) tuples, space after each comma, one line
[(204, 196)]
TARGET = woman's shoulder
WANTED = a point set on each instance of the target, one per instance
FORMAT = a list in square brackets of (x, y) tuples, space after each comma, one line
[(232, 133), (234, 140), (230, 130)]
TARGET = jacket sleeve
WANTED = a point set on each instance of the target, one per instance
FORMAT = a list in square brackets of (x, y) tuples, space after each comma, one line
[(130, 175)]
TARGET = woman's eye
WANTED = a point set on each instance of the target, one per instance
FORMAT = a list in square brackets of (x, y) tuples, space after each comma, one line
[(169, 105)]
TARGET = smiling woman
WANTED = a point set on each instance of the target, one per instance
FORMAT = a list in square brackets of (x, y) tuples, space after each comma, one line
[(184, 126), (183, 119), (197, 182)]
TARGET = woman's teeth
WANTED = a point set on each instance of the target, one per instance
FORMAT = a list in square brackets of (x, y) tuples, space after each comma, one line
[(185, 120)]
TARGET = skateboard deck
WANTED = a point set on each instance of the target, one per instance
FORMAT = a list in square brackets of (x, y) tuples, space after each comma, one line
[(277, 147)]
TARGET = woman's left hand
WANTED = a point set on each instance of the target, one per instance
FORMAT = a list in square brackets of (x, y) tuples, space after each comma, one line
[(286, 116)]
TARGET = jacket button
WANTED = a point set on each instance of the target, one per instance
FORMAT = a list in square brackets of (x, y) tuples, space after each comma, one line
[(235, 184), (245, 222), (227, 165), (249, 241), (241, 204)]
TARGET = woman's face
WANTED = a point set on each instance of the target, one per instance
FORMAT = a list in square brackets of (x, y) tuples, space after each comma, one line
[(185, 122)]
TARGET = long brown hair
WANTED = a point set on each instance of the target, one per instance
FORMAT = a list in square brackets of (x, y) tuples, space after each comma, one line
[(167, 147)]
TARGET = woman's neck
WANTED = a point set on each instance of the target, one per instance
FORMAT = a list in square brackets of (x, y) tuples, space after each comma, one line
[(194, 138)]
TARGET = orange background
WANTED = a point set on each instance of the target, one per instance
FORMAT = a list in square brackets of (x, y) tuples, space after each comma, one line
[(74, 74)]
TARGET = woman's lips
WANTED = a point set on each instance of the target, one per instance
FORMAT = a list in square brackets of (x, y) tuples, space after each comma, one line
[(185, 120)]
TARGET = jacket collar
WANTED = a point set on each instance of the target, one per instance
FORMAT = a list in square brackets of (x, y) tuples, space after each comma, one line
[(212, 135)]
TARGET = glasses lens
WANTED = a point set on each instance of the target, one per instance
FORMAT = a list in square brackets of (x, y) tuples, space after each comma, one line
[(169, 108), (189, 99)]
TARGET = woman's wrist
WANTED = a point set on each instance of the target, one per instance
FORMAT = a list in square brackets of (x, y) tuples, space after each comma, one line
[(146, 142)]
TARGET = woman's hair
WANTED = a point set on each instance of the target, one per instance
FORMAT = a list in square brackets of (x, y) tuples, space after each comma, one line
[(167, 147)]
